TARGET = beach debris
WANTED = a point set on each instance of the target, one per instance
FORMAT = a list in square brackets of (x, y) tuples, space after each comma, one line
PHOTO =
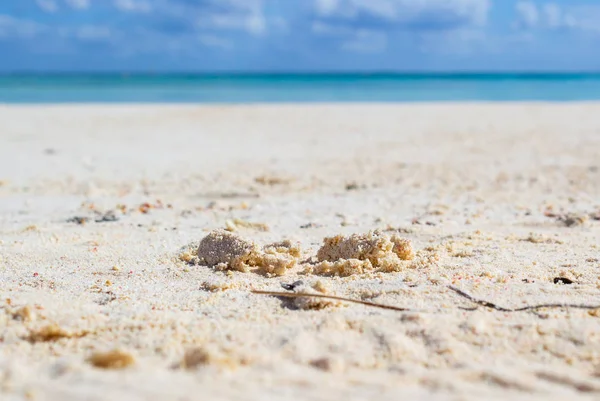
[(292, 286), (200, 356), (78, 220), (541, 239), (236, 224), (494, 306), (196, 357), (145, 207), (328, 364), (359, 253), (229, 195), (574, 219), (418, 220), (158, 204), (99, 217), (51, 333), (115, 359), (48, 333), (480, 302), (354, 186), (311, 303), (272, 180), (186, 213), (224, 250), (316, 294), (107, 217), (402, 230), (562, 280), (32, 227), (25, 314), (311, 225), (567, 381), (569, 219)]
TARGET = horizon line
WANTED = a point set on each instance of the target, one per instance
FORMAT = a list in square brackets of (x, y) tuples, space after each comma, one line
[(301, 73)]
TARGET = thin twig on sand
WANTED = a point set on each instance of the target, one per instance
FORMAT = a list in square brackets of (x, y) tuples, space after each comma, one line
[(333, 297), (460, 292), (492, 305)]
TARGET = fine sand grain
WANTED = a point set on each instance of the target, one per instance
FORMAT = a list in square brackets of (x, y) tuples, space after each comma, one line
[(134, 240)]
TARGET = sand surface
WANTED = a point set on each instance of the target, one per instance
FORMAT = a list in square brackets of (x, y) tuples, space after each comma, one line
[(499, 200)]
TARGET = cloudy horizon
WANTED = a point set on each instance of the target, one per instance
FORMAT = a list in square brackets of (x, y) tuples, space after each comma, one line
[(299, 35)]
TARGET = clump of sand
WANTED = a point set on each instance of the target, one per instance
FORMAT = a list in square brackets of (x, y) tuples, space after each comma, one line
[(374, 251), (361, 253), (115, 359), (224, 250), (313, 303)]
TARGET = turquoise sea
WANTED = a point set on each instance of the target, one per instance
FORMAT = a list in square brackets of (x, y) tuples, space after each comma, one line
[(254, 88)]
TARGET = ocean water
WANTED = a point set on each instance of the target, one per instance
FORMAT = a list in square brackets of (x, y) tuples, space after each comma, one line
[(257, 88)]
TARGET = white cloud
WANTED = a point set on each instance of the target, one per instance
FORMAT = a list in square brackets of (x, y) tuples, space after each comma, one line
[(586, 18), (359, 41), (254, 24), (48, 6), (554, 17), (557, 18), (527, 14), (442, 12), (15, 27), (327, 7), (79, 4), (364, 25), (242, 15), (134, 6)]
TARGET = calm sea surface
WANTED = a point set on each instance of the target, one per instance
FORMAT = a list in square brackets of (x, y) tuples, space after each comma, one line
[(254, 88)]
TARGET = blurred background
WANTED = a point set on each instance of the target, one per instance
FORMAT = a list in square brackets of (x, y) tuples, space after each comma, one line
[(298, 50)]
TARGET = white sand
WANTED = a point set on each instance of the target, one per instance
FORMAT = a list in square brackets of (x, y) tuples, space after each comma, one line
[(482, 180)]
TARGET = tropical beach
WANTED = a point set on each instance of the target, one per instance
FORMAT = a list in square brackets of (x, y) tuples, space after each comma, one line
[(299, 200), (457, 213)]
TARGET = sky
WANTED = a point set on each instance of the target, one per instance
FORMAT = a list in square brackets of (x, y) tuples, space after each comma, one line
[(299, 35)]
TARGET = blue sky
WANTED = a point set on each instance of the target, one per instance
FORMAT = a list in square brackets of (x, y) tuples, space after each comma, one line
[(299, 35)]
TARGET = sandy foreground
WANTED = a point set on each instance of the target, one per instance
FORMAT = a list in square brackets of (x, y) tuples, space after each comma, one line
[(499, 200)]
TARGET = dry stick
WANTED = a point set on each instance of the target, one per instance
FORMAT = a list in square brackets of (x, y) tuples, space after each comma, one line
[(356, 301), (488, 304), (481, 302)]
